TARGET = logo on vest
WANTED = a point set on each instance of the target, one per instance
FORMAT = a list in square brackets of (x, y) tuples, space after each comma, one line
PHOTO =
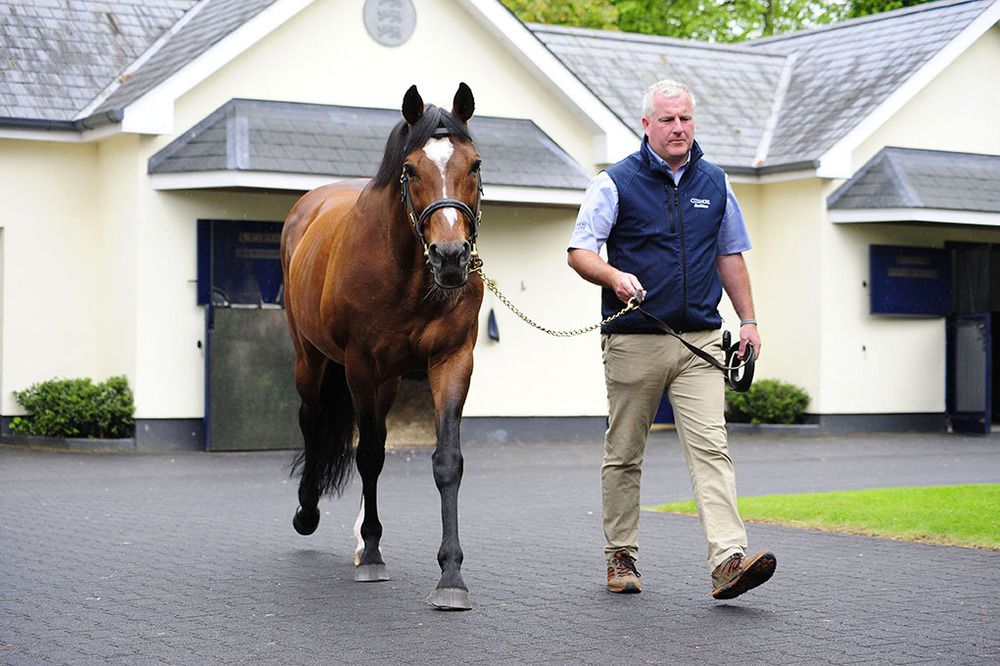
[(701, 203)]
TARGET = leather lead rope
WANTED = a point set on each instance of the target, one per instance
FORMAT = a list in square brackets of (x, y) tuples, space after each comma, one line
[(738, 382)]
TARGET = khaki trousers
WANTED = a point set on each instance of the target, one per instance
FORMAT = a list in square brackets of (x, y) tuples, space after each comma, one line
[(636, 370)]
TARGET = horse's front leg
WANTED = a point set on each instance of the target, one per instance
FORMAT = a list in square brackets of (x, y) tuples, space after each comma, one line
[(372, 404), (449, 382)]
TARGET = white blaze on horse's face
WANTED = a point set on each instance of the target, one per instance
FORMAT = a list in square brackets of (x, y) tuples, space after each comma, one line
[(440, 151)]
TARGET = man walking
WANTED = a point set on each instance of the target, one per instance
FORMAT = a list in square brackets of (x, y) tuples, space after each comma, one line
[(674, 230)]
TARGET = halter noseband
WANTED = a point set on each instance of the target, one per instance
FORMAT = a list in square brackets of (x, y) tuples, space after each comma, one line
[(417, 221)]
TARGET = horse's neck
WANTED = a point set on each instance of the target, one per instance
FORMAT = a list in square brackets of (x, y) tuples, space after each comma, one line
[(399, 241)]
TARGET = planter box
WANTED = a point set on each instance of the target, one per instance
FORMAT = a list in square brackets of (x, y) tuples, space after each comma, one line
[(775, 428), (71, 443)]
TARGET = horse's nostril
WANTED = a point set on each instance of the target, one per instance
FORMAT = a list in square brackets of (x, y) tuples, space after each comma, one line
[(449, 252)]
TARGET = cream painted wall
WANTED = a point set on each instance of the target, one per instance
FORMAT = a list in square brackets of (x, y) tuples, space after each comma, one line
[(872, 364), (876, 364), (118, 182), (99, 271), (956, 111), (529, 373), (809, 278), (343, 65), (99, 268), (748, 197), (783, 220), (52, 241), (170, 367), (2, 282)]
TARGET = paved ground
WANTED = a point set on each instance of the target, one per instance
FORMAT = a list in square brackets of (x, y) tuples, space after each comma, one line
[(190, 558)]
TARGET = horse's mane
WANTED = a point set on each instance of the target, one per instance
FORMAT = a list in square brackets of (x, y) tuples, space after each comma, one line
[(405, 139)]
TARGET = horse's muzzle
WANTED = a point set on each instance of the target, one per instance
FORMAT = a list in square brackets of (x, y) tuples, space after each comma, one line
[(449, 262)]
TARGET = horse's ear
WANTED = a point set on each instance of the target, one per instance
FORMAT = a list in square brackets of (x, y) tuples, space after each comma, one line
[(413, 105), (464, 104)]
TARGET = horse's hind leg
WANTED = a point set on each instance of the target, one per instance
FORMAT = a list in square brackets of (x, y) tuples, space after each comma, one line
[(326, 418), (306, 518), (370, 460)]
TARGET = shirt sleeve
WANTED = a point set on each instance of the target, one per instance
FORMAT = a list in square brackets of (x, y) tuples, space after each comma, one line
[(597, 215), (733, 235)]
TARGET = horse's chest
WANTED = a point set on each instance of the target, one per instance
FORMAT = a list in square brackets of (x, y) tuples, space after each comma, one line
[(401, 350)]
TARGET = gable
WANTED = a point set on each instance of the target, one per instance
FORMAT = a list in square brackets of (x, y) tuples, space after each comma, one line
[(955, 111), (324, 55), (844, 73)]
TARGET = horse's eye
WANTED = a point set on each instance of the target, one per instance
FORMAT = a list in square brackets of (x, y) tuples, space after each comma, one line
[(409, 171), (475, 166)]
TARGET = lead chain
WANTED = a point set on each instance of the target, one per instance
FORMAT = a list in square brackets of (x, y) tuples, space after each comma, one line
[(492, 286)]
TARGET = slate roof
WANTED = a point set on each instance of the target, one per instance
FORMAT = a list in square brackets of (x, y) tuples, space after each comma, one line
[(64, 61), (340, 141), (908, 178), (209, 22), (56, 57), (838, 75), (766, 104), (734, 86), (844, 71)]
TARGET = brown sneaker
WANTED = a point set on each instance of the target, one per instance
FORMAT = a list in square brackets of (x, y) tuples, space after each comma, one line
[(739, 573), (622, 574)]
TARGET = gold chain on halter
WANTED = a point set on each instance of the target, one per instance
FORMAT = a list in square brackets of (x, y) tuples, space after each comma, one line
[(477, 267)]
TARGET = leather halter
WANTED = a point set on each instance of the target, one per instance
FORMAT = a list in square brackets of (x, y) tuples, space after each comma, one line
[(417, 221)]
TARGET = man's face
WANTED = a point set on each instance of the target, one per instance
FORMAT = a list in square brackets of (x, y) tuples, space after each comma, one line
[(670, 128)]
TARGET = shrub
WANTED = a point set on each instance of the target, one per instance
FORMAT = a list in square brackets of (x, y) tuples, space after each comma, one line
[(76, 408), (767, 401)]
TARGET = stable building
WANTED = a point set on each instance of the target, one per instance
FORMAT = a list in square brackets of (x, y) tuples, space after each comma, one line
[(149, 152)]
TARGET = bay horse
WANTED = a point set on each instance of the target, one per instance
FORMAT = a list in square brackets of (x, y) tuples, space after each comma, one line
[(379, 282)]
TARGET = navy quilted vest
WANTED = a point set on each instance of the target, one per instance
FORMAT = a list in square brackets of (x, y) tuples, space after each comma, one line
[(667, 236)]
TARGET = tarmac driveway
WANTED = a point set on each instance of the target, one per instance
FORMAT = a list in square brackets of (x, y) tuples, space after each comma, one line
[(190, 558)]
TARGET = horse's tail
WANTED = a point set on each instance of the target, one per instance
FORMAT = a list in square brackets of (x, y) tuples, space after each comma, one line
[(327, 459)]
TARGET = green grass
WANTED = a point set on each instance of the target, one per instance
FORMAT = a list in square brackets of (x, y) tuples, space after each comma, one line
[(954, 515)]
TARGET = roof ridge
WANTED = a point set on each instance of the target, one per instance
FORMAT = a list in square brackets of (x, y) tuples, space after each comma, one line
[(930, 151), (158, 44), (784, 80), (901, 178), (853, 22), (617, 35), (238, 103)]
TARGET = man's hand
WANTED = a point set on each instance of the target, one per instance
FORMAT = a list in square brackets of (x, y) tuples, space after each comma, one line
[(593, 268), (626, 286), (749, 333)]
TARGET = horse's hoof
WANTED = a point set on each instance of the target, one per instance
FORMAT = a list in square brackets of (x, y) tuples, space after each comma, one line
[(370, 573), (358, 553), (450, 598), (305, 522)]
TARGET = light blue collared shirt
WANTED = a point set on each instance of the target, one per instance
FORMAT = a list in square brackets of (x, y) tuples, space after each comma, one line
[(599, 211)]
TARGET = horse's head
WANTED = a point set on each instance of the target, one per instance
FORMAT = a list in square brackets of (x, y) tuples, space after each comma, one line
[(441, 187)]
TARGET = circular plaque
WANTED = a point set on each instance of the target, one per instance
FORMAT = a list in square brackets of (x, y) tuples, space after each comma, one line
[(390, 22)]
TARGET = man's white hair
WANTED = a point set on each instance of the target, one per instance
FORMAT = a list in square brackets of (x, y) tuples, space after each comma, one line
[(666, 88)]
